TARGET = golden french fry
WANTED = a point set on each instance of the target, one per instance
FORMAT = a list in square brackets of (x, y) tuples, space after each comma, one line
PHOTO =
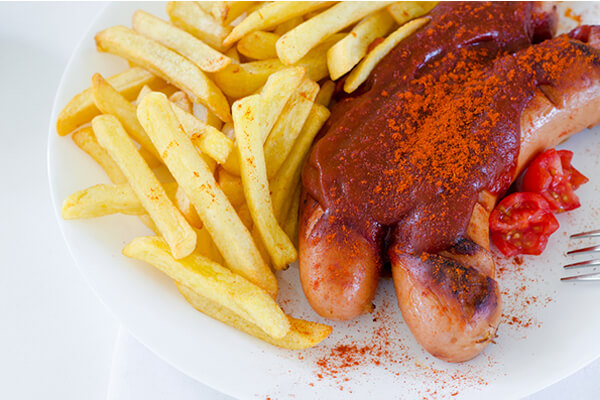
[(195, 50), (290, 225), (147, 220), (231, 185), (209, 140), (215, 282), (225, 12), (404, 11), (152, 161), (191, 172), (254, 179), (288, 126), (246, 218), (288, 25), (275, 94), (100, 200), (295, 44), (346, 53), (181, 100), (234, 55), (206, 116), (165, 63), (86, 140), (288, 176), (81, 108), (174, 228), (302, 335), (240, 80), (206, 247), (260, 244), (228, 130), (325, 93), (272, 15), (315, 61), (183, 203), (363, 70), (193, 19), (109, 101), (258, 45), (232, 165)]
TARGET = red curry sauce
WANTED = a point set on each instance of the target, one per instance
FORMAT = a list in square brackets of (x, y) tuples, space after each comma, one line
[(437, 122)]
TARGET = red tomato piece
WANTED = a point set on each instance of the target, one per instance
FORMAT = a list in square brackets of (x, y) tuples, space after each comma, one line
[(552, 175), (521, 224)]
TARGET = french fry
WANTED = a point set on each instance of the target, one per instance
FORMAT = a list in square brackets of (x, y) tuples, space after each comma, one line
[(181, 100), (86, 140), (290, 225), (100, 200), (206, 116), (228, 130), (315, 61), (165, 63), (231, 185), (363, 70), (275, 94), (288, 176), (109, 101), (288, 25), (325, 93), (183, 203), (246, 218), (234, 55), (195, 50), (172, 225), (295, 44), (240, 80), (288, 126), (271, 15), (147, 220), (260, 244), (193, 19), (81, 108), (258, 45), (206, 247), (191, 172), (404, 11), (232, 165), (346, 53), (209, 140), (215, 282), (152, 161), (302, 335), (254, 179), (225, 12)]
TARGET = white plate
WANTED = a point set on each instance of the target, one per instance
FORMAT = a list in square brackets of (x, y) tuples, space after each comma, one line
[(550, 330)]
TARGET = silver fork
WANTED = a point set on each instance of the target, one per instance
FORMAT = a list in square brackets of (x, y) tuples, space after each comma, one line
[(584, 264)]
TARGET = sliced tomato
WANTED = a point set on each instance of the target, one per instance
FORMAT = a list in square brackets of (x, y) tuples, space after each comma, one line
[(521, 224), (552, 175)]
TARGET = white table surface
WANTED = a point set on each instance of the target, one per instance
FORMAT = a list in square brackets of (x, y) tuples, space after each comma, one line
[(57, 340)]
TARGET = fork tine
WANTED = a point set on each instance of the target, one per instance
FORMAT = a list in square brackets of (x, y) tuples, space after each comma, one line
[(584, 250), (586, 234), (583, 264), (586, 277)]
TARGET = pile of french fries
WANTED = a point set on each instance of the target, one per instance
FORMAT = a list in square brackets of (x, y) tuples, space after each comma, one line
[(204, 138)]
